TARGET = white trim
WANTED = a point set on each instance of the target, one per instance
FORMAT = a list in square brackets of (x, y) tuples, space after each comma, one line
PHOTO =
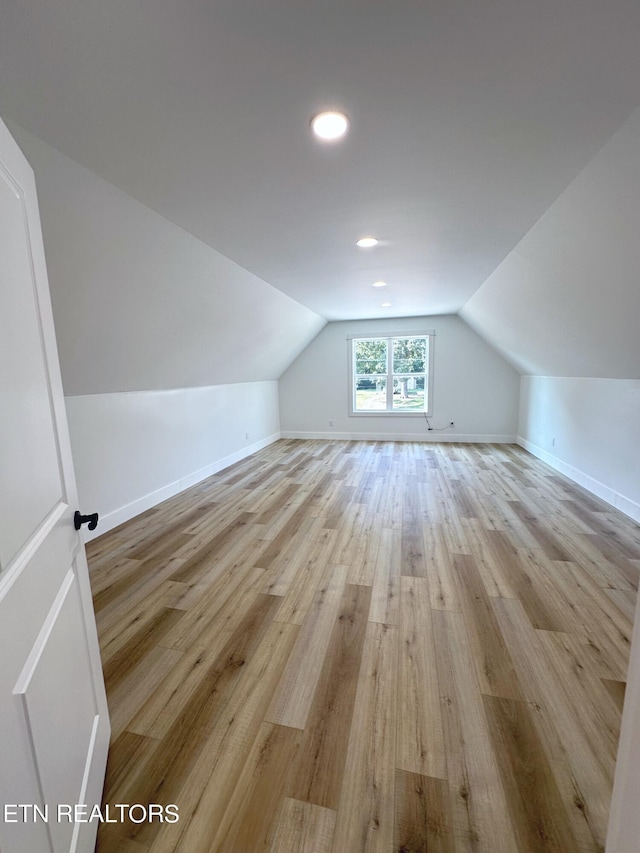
[(428, 375), (606, 493), (401, 436), (118, 516), (11, 572), (380, 413), (84, 835), (371, 335)]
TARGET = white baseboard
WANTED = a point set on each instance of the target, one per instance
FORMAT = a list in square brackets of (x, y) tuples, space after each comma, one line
[(118, 516), (606, 493), (402, 436)]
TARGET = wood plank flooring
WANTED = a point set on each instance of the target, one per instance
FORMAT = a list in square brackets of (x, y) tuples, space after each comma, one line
[(335, 647)]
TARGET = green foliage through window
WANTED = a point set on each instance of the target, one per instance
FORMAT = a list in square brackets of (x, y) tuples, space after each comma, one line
[(391, 374)]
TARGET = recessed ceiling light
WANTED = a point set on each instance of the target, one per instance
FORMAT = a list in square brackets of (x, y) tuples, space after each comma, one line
[(367, 242), (330, 125), (379, 284), (386, 305)]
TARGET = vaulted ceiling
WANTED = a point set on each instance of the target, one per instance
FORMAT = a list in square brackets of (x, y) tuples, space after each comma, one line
[(468, 121), (566, 300)]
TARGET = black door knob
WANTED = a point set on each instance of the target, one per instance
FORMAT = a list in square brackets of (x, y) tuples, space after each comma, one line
[(79, 520)]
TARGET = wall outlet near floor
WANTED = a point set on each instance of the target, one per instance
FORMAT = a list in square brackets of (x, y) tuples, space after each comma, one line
[(246, 435), (330, 422)]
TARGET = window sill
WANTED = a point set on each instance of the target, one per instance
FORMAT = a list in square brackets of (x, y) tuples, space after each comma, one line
[(389, 414)]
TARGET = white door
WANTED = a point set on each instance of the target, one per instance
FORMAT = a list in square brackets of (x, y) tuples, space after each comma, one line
[(54, 725)]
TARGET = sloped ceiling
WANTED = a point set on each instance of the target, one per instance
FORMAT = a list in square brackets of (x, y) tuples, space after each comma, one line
[(566, 300), (139, 304), (468, 119)]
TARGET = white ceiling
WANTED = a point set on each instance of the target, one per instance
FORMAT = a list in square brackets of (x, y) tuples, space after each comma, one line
[(139, 304), (468, 121), (566, 301)]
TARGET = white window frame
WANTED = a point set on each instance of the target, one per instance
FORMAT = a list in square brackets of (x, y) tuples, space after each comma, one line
[(389, 337)]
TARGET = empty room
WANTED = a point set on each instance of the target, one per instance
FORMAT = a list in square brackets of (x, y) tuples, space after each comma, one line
[(320, 447)]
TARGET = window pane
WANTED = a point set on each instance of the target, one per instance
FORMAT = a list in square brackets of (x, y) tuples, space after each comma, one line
[(408, 365), (409, 355), (370, 356), (371, 394), (370, 365), (408, 393)]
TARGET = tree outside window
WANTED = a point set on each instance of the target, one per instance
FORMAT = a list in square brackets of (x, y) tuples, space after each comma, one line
[(391, 374)]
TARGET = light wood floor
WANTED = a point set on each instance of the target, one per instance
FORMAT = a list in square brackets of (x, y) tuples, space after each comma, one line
[(368, 646)]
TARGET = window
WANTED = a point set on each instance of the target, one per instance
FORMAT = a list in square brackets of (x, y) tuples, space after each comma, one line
[(391, 374)]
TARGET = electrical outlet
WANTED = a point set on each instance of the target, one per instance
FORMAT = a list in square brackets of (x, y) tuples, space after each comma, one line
[(246, 435), (331, 423)]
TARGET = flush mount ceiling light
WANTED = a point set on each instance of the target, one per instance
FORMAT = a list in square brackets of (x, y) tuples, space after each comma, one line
[(379, 284), (330, 125), (386, 305), (367, 242)]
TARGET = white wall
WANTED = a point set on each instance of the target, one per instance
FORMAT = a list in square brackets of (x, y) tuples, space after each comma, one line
[(596, 427), (140, 304), (566, 301), (133, 450), (473, 386)]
